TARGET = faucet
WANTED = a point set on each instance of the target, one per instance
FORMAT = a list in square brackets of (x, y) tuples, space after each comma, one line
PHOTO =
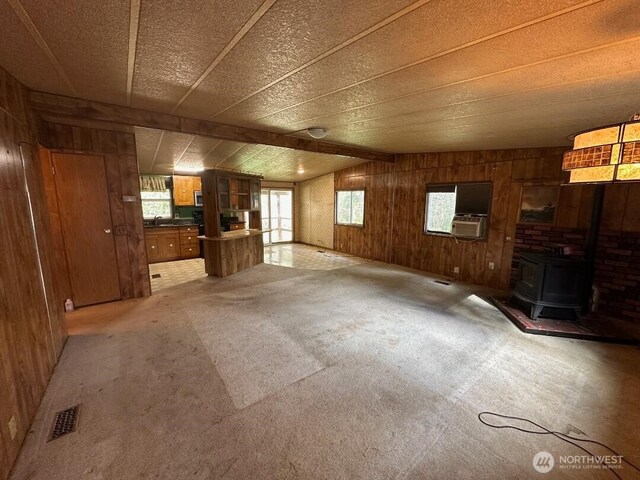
[(155, 219)]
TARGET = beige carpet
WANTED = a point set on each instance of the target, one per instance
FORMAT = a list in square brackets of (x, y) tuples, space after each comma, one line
[(363, 372)]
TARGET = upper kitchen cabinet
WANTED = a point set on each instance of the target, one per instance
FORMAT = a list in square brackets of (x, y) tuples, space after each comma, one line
[(238, 193), (184, 188)]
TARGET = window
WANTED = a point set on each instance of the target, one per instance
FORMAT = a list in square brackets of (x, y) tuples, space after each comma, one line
[(350, 207), (156, 204), (446, 201)]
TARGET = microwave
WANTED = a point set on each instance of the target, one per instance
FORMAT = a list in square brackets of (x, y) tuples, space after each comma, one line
[(197, 198)]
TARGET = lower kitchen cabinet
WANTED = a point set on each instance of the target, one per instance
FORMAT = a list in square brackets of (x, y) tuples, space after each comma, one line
[(167, 243)]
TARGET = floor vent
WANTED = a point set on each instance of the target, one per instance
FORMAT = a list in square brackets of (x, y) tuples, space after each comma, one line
[(156, 275), (442, 282), (64, 422)]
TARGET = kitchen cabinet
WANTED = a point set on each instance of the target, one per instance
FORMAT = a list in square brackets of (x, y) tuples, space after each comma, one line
[(238, 193), (184, 188), (189, 243), (163, 243), (229, 195)]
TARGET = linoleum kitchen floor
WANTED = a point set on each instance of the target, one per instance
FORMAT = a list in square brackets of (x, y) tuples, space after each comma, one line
[(370, 371)]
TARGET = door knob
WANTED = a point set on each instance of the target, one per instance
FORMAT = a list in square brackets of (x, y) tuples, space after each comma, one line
[(107, 230)]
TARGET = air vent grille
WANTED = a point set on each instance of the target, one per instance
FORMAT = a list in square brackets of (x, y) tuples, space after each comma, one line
[(64, 422)]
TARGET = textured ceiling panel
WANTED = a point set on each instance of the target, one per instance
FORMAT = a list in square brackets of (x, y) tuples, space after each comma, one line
[(90, 40), (222, 151), (403, 92), (492, 129), (146, 146), (401, 43), (16, 45), (395, 75), (199, 149), (171, 149), (176, 43), (159, 152), (291, 34), (551, 96)]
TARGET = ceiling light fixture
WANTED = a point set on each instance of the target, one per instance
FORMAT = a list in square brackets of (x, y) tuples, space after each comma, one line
[(317, 132), (188, 169), (605, 154)]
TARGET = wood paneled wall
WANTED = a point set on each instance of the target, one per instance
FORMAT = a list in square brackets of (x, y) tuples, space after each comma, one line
[(395, 207), (32, 328), (119, 151)]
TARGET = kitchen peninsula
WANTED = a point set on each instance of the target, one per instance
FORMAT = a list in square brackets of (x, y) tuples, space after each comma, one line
[(233, 236)]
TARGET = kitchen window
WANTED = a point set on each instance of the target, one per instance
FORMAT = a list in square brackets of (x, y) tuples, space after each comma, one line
[(156, 204), (350, 207)]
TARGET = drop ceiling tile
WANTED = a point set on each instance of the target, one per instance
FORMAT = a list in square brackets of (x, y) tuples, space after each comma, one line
[(381, 98), (488, 131), (290, 34), (90, 40), (222, 151), (435, 28), (177, 41), (146, 144), (16, 45)]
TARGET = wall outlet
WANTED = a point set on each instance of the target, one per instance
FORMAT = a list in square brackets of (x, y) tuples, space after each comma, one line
[(492, 266), (13, 427), (456, 270)]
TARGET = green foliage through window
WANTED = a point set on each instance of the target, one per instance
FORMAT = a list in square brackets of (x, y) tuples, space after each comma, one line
[(156, 204), (350, 207), (441, 208)]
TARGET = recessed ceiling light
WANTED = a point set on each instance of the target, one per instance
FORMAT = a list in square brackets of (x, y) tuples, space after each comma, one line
[(317, 132), (300, 170)]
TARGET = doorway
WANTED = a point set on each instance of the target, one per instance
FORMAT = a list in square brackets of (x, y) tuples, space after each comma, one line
[(87, 231), (277, 215)]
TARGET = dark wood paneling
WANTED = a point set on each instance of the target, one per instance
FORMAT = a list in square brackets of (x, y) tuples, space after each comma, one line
[(32, 329), (226, 257), (49, 104), (118, 150), (395, 209)]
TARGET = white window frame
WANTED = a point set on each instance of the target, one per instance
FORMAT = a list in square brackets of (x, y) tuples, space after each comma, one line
[(351, 190)]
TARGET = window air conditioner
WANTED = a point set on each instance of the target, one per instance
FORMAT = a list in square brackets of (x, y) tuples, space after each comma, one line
[(465, 226)]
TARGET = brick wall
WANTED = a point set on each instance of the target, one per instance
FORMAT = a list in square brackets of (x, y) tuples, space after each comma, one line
[(535, 238), (617, 263), (618, 274)]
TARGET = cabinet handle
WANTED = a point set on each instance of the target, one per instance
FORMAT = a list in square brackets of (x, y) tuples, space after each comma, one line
[(188, 238), (107, 230), (152, 247), (171, 244)]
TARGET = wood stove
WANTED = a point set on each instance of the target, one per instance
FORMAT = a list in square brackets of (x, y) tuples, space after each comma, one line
[(551, 283)]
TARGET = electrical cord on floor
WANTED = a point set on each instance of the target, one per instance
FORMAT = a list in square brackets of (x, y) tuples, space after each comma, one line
[(560, 435)]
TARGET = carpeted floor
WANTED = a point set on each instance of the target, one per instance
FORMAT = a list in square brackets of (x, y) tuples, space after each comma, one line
[(367, 372)]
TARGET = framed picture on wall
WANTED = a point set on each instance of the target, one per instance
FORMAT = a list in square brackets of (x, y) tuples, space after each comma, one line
[(538, 203)]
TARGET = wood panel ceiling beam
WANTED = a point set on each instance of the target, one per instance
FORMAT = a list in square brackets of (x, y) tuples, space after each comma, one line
[(50, 104)]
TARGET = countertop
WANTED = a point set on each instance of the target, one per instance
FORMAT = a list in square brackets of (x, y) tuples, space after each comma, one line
[(171, 226), (226, 236)]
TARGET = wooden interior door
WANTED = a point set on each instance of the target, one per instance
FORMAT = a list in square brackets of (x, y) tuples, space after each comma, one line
[(83, 199)]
